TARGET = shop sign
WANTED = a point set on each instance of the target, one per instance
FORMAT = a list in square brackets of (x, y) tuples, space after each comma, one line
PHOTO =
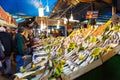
[(92, 14)]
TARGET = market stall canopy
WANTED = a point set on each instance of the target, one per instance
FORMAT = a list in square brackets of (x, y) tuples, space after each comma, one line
[(26, 7), (79, 8), (58, 8)]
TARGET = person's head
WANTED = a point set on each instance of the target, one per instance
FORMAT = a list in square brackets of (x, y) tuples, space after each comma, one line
[(2, 29), (21, 29), (12, 30), (30, 31)]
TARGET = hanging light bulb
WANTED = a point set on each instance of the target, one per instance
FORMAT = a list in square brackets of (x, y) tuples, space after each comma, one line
[(42, 26), (48, 30), (65, 20), (47, 7), (41, 10), (58, 24), (52, 29), (71, 16)]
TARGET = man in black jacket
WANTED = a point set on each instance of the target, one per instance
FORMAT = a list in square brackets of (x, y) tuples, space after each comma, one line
[(5, 38)]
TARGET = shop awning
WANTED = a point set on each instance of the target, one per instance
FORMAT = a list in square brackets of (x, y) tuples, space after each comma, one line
[(26, 7)]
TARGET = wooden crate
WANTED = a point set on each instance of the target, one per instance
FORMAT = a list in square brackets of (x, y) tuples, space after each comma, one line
[(111, 53), (82, 70), (93, 65), (33, 73)]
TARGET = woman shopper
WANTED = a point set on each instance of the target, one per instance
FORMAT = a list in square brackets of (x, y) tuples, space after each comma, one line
[(6, 40)]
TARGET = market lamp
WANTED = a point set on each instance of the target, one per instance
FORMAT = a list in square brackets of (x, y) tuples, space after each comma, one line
[(45, 26), (41, 10), (47, 7), (52, 29), (58, 24), (71, 16), (65, 20), (41, 26)]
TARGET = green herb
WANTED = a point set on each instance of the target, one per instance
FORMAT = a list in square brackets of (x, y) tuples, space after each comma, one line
[(50, 67), (107, 29), (87, 38), (71, 47), (81, 48), (105, 37), (43, 59)]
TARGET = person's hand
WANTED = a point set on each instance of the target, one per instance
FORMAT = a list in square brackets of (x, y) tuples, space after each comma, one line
[(24, 57)]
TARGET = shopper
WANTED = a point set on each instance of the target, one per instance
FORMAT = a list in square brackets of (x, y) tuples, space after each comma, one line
[(5, 39), (30, 37), (13, 33), (19, 48)]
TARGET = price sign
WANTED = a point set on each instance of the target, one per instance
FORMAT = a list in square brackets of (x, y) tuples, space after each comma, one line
[(92, 14)]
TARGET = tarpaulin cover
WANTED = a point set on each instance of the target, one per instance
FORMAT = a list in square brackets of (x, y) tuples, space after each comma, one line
[(26, 7)]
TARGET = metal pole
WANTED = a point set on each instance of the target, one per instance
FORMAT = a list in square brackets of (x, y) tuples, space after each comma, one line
[(65, 11)]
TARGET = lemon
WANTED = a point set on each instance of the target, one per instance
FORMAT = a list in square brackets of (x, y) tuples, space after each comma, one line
[(93, 39), (63, 61), (105, 49), (96, 52), (21, 68), (33, 65), (80, 57)]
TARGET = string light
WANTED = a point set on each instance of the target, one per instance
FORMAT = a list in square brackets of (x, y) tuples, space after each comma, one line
[(58, 24), (71, 16), (42, 26), (65, 20), (41, 10), (47, 7)]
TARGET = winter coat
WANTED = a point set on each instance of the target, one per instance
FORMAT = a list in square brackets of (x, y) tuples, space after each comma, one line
[(6, 40)]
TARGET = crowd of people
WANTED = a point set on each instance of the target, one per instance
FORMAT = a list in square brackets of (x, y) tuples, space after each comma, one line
[(14, 44)]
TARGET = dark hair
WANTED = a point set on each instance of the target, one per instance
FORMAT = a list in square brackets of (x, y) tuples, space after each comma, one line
[(20, 29)]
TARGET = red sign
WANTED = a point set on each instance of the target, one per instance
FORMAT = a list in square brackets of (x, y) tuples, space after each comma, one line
[(6, 17), (13, 20), (92, 14), (2, 13)]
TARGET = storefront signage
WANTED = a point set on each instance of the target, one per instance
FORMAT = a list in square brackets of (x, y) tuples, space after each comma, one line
[(92, 14)]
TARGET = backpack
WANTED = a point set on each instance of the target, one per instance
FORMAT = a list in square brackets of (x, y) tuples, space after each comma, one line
[(2, 55)]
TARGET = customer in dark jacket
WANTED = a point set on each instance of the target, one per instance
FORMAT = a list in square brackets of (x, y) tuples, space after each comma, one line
[(20, 48), (5, 38), (13, 33)]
